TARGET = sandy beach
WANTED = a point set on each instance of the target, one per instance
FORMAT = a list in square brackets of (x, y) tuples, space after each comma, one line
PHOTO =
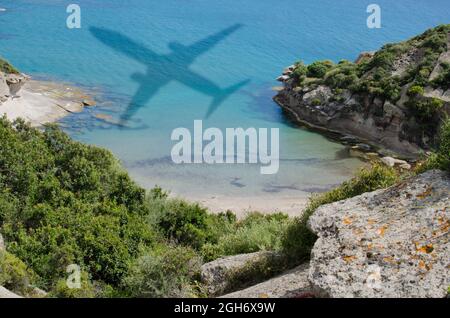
[(42, 102), (241, 206)]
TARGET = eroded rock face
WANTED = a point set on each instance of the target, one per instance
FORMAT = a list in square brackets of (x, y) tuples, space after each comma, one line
[(15, 83), (372, 120), (387, 243)]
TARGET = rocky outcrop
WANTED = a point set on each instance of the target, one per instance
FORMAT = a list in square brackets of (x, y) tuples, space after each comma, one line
[(345, 106), (388, 243), (15, 82), (317, 108), (292, 284), (216, 275), (10, 85)]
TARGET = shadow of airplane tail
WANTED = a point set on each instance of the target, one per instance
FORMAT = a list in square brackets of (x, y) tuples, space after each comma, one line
[(220, 98)]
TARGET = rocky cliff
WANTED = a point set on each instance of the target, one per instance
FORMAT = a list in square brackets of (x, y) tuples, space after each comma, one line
[(393, 99)]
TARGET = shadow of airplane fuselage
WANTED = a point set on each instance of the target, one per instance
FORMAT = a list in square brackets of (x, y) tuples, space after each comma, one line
[(161, 69)]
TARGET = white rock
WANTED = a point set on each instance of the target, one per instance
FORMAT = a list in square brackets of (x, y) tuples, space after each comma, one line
[(4, 293), (392, 162)]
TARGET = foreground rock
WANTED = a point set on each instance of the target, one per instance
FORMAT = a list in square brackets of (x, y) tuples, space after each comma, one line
[(292, 284), (216, 275), (387, 243), (4, 293)]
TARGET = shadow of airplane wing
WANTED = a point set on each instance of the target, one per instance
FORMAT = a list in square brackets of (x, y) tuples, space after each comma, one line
[(142, 96), (124, 45), (206, 44)]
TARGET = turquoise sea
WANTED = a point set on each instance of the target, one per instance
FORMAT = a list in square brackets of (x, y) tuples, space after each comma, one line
[(272, 34)]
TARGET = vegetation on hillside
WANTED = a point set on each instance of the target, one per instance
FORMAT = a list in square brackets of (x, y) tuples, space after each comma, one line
[(63, 202), (382, 76)]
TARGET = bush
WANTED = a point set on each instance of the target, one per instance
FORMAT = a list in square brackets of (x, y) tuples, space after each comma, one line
[(441, 158), (319, 69), (416, 90), (443, 80), (14, 274), (255, 233), (61, 290), (425, 109), (316, 102), (167, 271), (300, 72), (298, 240), (62, 202), (182, 222)]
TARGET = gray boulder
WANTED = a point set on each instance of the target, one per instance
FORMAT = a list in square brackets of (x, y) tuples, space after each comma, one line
[(216, 274), (288, 285), (388, 243)]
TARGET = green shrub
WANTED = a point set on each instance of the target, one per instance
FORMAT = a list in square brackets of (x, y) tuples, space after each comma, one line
[(7, 68), (319, 69), (63, 202), (298, 240), (441, 158), (14, 274), (167, 271), (416, 90), (255, 233), (61, 290), (300, 72), (316, 102), (182, 222), (443, 80), (425, 109)]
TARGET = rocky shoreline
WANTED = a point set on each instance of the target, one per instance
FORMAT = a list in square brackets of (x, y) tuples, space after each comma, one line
[(364, 115), (38, 101)]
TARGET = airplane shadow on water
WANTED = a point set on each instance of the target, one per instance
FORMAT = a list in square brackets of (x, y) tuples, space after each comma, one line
[(162, 69)]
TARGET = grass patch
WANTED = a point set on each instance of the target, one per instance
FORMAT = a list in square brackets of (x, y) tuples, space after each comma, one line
[(441, 158)]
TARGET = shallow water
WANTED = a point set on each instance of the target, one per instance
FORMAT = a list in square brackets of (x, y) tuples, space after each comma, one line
[(274, 34)]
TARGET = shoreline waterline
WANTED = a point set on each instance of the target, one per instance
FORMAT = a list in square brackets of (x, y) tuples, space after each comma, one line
[(45, 101)]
